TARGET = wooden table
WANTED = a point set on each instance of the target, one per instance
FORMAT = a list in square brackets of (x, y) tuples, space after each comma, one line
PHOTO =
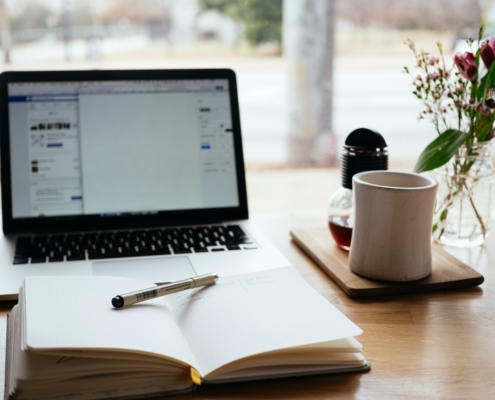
[(439, 345)]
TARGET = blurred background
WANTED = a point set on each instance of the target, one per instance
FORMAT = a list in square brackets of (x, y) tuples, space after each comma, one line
[(309, 71)]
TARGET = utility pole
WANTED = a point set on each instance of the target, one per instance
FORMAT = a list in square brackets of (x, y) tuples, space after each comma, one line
[(5, 33), (308, 44)]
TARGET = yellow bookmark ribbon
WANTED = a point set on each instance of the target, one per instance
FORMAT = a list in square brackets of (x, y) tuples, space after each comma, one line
[(195, 376)]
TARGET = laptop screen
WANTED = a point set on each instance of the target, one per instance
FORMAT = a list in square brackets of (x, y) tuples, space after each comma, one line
[(121, 147)]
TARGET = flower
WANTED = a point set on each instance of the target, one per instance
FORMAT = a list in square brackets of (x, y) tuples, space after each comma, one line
[(459, 105), (484, 110), (462, 110), (488, 52), (432, 60), (432, 76), (466, 65)]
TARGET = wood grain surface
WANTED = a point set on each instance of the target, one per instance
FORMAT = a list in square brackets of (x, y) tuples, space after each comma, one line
[(447, 272), (437, 345)]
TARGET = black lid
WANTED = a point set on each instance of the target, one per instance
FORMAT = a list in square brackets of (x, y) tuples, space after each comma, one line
[(364, 150), (363, 138)]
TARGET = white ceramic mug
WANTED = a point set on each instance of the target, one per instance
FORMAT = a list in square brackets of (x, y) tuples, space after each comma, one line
[(391, 238)]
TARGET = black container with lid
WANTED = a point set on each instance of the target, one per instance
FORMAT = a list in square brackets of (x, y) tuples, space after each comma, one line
[(364, 150)]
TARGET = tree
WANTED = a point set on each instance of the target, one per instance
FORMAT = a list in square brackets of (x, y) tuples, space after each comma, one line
[(439, 15), (261, 19), (136, 12), (309, 28), (33, 15)]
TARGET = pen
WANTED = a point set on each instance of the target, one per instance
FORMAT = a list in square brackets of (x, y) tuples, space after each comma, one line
[(127, 299)]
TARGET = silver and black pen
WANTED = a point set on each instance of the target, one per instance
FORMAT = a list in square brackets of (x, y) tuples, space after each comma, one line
[(139, 296)]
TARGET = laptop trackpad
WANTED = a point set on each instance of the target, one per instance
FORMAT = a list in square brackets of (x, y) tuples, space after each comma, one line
[(157, 270)]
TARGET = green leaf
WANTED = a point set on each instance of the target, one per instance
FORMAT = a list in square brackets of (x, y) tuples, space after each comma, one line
[(486, 83), (480, 33), (484, 127), (441, 150), (435, 227)]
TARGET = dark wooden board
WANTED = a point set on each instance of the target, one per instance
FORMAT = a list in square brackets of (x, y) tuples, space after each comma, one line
[(447, 273)]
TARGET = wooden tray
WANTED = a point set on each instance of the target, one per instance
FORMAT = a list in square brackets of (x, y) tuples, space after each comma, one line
[(448, 272)]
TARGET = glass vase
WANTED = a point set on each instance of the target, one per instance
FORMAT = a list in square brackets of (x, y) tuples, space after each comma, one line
[(463, 214)]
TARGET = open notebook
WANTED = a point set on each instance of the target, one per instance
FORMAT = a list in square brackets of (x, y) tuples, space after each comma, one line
[(66, 340)]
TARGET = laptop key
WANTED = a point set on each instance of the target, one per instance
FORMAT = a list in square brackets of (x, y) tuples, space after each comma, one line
[(199, 249), (24, 240), (106, 252), (56, 259), (144, 252), (182, 251), (233, 247), (40, 240), (76, 257), (100, 255), (23, 246), (92, 255), (38, 260), (20, 253), (161, 251), (112, 254), (125, 254), (20, 260)]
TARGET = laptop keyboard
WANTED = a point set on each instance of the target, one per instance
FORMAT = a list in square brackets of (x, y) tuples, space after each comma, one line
[(131, 243)]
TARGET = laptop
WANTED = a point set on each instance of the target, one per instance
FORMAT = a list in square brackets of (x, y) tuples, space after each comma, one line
[(124, 173)]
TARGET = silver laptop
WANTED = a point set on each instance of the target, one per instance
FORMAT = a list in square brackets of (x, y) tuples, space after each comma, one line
[(124, 173)]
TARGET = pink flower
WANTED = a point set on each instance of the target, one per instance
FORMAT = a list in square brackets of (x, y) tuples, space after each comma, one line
[(488, 52), (466, 65), (484, 110), (432, 60)]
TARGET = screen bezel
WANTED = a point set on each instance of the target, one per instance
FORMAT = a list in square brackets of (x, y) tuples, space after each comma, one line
[(96, 222)]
